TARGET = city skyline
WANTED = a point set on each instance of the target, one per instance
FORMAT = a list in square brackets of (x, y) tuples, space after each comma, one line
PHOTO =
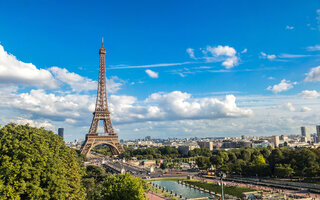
[(198, 69)]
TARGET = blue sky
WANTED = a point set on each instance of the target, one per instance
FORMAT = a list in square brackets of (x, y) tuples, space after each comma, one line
[(170, 65)]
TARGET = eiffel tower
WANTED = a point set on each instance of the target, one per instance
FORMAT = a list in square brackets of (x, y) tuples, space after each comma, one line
[(101, 113)]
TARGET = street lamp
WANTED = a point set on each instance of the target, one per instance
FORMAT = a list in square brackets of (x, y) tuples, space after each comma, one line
[(222, 175)]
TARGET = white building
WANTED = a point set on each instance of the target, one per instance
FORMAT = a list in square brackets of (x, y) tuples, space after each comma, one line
[(206, 144)]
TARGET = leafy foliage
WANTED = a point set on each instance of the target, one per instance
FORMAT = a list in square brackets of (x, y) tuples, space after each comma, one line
[(203, 162), (281, 162), (124, 186), (36, 164), (93, 180), (165, 152), (102, 149), (242, 161)]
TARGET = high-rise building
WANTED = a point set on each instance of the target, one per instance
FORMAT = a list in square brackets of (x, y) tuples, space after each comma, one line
[(318, 133), (275, 141), (60, 132), (305, 133)]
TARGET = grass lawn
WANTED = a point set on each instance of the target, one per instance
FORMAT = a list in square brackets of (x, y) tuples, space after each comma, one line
[(231, 190)]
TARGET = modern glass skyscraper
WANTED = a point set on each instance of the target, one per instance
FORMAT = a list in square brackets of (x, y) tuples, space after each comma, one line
[(60, 132)]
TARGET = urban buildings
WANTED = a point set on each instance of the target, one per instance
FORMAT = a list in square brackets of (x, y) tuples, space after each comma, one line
[(206, 144)]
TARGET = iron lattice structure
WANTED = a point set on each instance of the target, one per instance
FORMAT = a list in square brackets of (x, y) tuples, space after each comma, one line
[(101, 113)]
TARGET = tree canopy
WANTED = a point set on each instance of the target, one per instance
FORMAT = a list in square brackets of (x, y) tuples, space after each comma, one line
[(36, 164), (124, 186)]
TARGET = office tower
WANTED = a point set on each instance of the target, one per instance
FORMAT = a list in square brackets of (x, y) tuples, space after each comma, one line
[(60, 132), (305, 133), (276, 141), (318, 133)]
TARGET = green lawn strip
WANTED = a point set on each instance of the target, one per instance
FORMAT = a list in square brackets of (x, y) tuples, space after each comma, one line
[(230, 190)]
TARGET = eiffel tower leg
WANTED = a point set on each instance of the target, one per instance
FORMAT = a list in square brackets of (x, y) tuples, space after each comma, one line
[(88, 144)]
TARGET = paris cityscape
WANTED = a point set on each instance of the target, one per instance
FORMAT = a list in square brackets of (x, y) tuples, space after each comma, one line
[(159, 100)]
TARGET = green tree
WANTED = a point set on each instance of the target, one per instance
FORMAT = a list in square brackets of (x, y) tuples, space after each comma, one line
[(93, 180), (102, 149), (283, 170), (259, 160), (276, 157), (36, 164), (216, 160), (124, 186), (164, 165), (306, 163), (203, 162), (246, 155)]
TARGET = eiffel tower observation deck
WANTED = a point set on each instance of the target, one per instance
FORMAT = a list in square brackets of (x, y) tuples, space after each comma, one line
[(102, 115)]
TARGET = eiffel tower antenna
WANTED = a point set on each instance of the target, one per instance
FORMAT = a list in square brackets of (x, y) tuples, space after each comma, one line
[(102, 114)]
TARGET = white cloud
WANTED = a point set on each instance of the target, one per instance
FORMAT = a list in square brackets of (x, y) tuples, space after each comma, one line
[(225, 54), (17, 72), (152, 74), (313, 75), (284, 85), (34, 123), (182, 74), (244, 51), (269, 57), (309, 94), (79, 83), (75, 81), (289, 27), (190, 51), (286, 55), (314, 48), (114, 84), (265, 122), (305, 109), (70, 121), (44, 105), (289, 107), (230, 62), (181, 105), (173, 106), (222, 51)]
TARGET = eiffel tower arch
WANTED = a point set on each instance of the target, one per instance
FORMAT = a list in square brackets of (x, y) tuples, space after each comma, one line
[(102, 115)]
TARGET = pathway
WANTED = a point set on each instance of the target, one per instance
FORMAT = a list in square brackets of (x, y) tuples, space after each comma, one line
[(154, 196)]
